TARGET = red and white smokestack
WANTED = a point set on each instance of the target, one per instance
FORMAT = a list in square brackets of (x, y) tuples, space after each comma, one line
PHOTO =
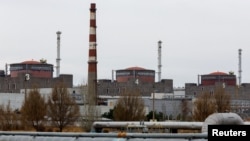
[(92, 62)]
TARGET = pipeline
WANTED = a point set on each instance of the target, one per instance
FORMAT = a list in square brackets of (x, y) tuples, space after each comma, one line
[(221, 119), (60, 136)]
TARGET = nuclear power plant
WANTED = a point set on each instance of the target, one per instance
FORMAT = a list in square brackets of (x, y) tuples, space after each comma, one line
[(100, 91)]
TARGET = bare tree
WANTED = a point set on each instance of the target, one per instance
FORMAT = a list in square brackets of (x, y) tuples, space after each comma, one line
[(62, 109), (204, 105), (185, 109), (211, 102), (8, 118), (90, 112), (130, 107), (33, 110), (222, 99)]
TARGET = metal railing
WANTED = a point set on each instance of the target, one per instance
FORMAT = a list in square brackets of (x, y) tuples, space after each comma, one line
[(65, 136)]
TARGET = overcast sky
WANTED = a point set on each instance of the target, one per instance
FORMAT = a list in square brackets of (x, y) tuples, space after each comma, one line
[(198, 36)]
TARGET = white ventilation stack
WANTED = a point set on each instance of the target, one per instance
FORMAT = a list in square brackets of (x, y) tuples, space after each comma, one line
[(58, 54), (113, 73), (240, 71), (159, 61), (6, 69)]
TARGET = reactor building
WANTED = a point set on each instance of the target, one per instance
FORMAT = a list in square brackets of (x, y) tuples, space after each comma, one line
[(33, 68), (137, 73), (214, 77), (39, 73), (134, 78)]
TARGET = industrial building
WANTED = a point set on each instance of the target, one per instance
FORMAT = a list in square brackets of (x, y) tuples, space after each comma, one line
[(27, 74), (240, 94), (138, 73), (30, 74), (136, 78), (212, 78), (39, 69)]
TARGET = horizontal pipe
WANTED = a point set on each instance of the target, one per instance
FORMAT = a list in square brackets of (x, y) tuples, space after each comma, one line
[(163, 124), (109, 135)]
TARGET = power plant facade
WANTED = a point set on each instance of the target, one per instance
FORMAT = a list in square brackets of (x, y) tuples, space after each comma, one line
[(30, 74), (40, 75), (136, 73), (212, 78), (33, 68), (239, 94), (136, 78)]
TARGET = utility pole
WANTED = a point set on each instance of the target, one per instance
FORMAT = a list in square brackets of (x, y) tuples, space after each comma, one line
[(153, 103)]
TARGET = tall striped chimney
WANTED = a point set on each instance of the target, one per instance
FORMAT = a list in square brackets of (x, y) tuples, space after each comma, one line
[(92, 62)]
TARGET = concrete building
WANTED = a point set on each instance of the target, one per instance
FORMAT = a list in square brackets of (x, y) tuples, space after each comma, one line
[(214, 77), (30, 74), (136, 73), (133, 78), (240, 94), (39, 69)]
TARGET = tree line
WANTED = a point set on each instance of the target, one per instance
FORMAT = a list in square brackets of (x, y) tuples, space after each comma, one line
[(59, 109), (130, 107), (37, 112)]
